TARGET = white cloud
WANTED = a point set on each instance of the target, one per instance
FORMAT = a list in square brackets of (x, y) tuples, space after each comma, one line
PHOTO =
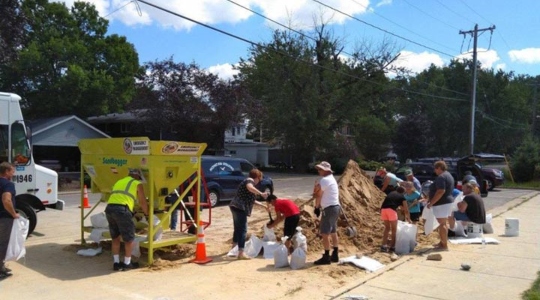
[(501, 66), (301, 13), (223, 71), (384, 2), (417, 62), (487, 58), (527, 55)]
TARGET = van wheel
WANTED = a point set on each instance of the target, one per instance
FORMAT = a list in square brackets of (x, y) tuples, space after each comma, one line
[(26, 211), (213, 195)]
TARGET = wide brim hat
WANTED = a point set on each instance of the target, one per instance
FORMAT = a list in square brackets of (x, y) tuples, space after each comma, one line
[(325, 166)]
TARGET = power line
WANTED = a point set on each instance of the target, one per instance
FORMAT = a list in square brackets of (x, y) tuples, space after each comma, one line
[(383, 30), (452, 11), (429, 15), (283, 53), (387, 19)]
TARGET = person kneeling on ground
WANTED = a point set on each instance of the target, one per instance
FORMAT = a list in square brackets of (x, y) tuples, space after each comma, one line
[(471, 209), (286, 210), (389, 216)]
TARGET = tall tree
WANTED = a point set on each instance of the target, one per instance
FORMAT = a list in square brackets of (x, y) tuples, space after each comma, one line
[(309, 92), (12, 25), (69, 65), (196, 105)]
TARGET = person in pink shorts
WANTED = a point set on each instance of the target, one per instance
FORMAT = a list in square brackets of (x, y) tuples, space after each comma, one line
[(394, 201)]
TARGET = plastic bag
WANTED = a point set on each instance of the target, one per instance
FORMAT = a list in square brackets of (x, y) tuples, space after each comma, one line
[(281, 254), (458, 198), (158, 231), (19, 231), (430, 222), (253, 246), (459, 230), (405, 238), (299, 240), (269, 248), (488, 228), (99, 220), (298, 259), (269, 235)]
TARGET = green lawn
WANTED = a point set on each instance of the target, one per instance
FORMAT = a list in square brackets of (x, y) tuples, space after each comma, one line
[(534, 292)]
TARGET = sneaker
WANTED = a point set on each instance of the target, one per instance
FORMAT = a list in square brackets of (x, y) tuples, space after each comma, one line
[(117, 266), (334, 257), (324, 260), (130, 266), (5, 269)]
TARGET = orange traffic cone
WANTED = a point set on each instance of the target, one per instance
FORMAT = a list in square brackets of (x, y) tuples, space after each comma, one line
[(85, 198), (200, 253)]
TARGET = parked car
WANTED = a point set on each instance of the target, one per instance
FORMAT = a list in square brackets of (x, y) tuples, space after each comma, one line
[(224, 174)]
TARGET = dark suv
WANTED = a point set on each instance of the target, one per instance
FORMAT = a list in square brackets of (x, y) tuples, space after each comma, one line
[(224, 174)]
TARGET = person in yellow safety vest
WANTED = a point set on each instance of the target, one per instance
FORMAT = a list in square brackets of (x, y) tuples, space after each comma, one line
[(119, 212)]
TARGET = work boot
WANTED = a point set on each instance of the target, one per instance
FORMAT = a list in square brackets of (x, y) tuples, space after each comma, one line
[(5, 269), (4, 275), (334, 257), (130, 266), (324, 260)]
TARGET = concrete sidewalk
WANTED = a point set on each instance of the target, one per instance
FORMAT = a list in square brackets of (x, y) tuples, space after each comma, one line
[(502, 271)]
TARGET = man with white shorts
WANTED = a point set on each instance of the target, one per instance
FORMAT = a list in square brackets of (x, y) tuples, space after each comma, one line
[(440, 199)]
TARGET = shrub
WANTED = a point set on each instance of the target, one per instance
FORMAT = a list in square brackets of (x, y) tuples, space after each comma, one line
[(525, 160)]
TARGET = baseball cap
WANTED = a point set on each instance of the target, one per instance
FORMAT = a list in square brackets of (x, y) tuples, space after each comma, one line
[(408, 172), (134, 172)]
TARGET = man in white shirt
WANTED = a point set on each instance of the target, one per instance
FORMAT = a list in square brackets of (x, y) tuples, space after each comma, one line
[(326, 195)]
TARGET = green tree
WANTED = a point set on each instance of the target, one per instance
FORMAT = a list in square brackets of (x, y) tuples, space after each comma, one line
[(308, 93), (191, 102), (68, 65), (12, 25), (525, 160)]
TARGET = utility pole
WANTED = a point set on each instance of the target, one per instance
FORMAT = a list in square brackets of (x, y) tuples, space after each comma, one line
[(474, 33), (534, 116)]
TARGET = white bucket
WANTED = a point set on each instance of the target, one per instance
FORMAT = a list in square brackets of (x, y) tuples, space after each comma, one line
[(511, 227), (474, 230)]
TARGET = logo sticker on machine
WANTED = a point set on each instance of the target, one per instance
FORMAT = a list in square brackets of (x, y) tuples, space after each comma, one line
[(136, 147)]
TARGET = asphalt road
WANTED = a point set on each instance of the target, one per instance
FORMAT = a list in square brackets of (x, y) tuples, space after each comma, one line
[(300, 186)]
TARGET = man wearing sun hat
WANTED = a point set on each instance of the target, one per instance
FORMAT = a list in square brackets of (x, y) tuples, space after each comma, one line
[(326, 195)]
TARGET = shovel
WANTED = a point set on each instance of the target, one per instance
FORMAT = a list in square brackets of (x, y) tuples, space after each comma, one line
[(351, 230), (271, 219)]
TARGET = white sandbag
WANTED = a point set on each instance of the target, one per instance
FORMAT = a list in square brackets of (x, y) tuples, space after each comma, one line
[(233, 252), (298, 259), (364, 262), (459, 229), (19, 231), (430, 222), (253, 247), (136, 250), (269, 234), (99, 220), (269, 248), (158, 231), (488, 228), (457, 199), (405, 238), (96, 234), (299, 240), (281, 255), (90, 252)]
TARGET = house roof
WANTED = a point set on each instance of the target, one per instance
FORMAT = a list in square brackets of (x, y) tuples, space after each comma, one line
[(62, 131)]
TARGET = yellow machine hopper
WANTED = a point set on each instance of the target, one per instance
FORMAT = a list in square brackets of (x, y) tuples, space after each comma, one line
[(164, 165)]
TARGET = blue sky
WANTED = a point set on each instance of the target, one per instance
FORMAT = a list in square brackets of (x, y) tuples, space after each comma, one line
[(423, 31)]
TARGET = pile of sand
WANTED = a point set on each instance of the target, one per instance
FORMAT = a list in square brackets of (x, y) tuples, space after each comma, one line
[(361, 201)]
